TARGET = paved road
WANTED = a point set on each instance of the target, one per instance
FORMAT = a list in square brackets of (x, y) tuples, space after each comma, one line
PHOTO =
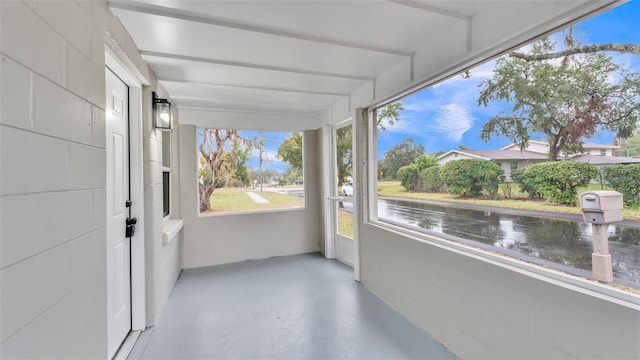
[(558, 241)]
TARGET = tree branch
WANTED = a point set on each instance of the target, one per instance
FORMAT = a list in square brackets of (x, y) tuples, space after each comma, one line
[(620, 48)]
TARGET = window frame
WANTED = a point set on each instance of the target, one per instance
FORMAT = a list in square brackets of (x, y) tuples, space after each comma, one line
[(259, 211), (166, 170), (370, 216)]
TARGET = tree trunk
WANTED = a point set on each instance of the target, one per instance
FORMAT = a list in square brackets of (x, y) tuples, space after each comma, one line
[(554, 149), (340, 179), (205, 196)]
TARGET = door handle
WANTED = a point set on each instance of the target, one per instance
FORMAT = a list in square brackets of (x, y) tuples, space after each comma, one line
[(131, 227)]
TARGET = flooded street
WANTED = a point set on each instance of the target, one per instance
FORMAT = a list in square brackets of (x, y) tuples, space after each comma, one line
[(565, 245), (559, 241)]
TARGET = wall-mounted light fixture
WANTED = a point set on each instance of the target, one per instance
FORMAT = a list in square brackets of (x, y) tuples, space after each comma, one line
[(162, 113)]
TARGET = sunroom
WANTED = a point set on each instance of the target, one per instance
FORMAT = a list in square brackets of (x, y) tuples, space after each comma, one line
[(101, 193)]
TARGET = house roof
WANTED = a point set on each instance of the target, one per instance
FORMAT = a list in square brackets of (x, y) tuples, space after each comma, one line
[(498, 154), (585, 145), (605, 160), (517, 146)]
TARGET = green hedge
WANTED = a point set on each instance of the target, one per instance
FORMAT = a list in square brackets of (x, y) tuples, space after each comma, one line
[(472, 177), (626, 180), (526, 184), (409, 175), (431, 180), (558, 181)]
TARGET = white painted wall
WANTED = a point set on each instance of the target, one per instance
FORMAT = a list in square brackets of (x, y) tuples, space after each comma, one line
[(52, 178), (480, 309), (533, 145), (163, 261), (219, 239), (597, 151), (248, 120)]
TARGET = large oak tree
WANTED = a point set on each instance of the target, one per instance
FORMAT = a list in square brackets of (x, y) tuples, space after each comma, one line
[(214, 161), (290, 151), (567, 95)]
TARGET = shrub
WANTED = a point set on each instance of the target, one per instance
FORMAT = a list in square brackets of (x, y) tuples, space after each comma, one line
[(471, 177), (424, 161), (431, 179), (559, 181), (526, 183), (626, 180), (407, 176)]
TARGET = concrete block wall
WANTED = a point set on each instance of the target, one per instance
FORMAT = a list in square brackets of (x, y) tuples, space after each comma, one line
[(53, 175), (163, 261), (52, 189), (484, 310)]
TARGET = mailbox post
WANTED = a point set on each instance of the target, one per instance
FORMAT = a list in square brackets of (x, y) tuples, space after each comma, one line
[(601, 208)]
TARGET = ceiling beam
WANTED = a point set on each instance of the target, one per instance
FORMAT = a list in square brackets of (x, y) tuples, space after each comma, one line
[(210, 20), (436, 10), (247, 87), (432, 9), (252, 66), (220, 103)]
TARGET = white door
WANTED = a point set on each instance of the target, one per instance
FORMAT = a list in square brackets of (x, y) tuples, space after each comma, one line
[(118, 245), (343, 208)]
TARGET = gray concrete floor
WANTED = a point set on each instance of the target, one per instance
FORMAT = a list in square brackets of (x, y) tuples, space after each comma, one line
[(292, 307)]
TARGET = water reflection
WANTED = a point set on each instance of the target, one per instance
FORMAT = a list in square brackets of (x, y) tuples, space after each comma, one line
[(559, 241)]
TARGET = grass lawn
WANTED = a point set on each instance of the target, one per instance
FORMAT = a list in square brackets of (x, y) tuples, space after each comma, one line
[(345, 223), (235, 200), (516, 201)]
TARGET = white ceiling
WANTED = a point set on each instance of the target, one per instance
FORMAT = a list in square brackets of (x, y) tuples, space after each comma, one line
[(298, 57)]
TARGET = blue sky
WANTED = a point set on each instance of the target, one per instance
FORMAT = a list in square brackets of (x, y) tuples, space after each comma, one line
[(273, 139), (446, 115)]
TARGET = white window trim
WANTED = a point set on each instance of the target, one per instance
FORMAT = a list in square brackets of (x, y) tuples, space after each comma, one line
[(370, 216), (167, 170), (171, 228), (305, 200), (575, 283)]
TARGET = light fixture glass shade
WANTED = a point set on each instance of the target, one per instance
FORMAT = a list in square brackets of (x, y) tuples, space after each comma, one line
[(163, 116)]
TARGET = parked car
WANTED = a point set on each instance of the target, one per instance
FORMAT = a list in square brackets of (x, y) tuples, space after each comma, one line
[(297, 182), (347, 189)]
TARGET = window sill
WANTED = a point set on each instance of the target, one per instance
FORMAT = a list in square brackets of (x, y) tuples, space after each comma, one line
[(170, 230)]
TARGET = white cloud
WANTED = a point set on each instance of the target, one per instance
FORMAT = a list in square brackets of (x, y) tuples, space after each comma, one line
[(418, 104), (270, 156), (484, 71), (407, 126), (452, 121)]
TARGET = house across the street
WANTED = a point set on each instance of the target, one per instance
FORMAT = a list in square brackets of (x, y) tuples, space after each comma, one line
[(508, 160), (541, 146), (511, 158)]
